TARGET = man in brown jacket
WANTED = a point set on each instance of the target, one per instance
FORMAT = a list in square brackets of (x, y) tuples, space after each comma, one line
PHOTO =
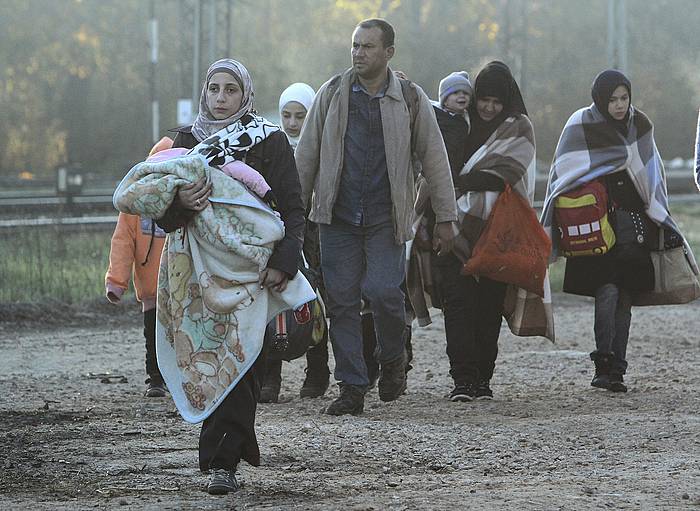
[(355, 167)]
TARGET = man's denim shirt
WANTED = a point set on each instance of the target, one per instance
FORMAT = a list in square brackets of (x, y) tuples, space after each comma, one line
[(364, 197)]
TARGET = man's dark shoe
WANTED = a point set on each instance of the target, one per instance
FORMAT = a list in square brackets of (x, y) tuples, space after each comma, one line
[(463, 392), (482, 390), (392, 379), (155, 387), (316, 382), (369, 342), (617, 383), (601, 379), (222, 481), (350, 402)]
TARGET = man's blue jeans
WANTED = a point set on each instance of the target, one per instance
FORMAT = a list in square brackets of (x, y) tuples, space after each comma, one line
[(359, 261)]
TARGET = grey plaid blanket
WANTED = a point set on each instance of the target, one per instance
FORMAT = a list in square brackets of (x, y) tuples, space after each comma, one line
[(509, 153)]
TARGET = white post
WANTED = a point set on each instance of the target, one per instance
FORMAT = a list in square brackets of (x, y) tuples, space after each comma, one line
[(213, 40), (228, 28), (617, 34), (155, 113), (196, 55), (623, 34), (612, 25)]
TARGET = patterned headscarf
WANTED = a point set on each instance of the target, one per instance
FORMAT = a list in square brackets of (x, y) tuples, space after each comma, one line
[(205, 124)]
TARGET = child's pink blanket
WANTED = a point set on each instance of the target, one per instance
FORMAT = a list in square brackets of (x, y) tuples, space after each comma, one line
[(236, 169)]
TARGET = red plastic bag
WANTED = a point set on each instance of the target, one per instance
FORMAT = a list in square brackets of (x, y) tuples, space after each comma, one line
[(513, 247)]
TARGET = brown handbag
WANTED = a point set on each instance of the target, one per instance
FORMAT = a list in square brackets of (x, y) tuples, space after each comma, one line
[(675, 280)]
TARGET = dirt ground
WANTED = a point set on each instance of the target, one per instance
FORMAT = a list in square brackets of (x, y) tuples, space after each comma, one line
[(547, 441)]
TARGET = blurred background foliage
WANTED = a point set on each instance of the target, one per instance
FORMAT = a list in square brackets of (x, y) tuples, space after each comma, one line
[(75, 86), (75, 74)]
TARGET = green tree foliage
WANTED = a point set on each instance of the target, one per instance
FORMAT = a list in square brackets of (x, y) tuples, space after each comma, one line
[(74, 74)]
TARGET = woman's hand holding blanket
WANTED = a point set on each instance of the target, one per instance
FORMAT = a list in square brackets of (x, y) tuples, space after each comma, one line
[(195, 196), (274, 279)]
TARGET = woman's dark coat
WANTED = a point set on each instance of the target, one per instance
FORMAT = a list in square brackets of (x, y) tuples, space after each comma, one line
[(583, 275)]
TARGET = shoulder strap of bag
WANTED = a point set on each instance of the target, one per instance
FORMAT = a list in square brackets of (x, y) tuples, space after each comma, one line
[(410, 96)]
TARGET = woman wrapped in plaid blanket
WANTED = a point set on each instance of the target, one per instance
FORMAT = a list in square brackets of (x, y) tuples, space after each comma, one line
[(612, 142), (499, 150)]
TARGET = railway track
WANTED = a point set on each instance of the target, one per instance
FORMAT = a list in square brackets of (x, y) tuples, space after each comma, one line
[(95, 211)]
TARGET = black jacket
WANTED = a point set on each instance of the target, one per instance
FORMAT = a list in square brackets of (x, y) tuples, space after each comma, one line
[(274, 159), (454, 130)]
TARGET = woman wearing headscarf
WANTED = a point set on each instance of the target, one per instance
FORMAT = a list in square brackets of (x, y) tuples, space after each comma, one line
[(294, 103), (612, 143), (227, 122), (499, 150)]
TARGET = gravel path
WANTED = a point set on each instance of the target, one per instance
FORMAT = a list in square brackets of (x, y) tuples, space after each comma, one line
[(547, 441)]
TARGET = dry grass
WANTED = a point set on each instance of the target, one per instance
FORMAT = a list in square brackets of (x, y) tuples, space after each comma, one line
[(48, 264), (41, 264)]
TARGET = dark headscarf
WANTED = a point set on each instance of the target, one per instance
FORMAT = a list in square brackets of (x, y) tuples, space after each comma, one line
[(496, 80), (603, 87)]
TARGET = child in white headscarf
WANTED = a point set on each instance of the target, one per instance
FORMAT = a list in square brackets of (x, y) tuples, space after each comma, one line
[(295, 102)]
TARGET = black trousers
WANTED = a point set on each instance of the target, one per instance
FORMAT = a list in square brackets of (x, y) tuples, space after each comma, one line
[(228, 435), (369, 347), (149, 333), (473, 314), (317, 356)]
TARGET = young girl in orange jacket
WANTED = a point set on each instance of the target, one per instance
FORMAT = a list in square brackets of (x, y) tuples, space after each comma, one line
[(135, 251)]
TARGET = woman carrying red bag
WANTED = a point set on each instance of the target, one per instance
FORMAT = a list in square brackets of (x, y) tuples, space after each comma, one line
[(500, 150)]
